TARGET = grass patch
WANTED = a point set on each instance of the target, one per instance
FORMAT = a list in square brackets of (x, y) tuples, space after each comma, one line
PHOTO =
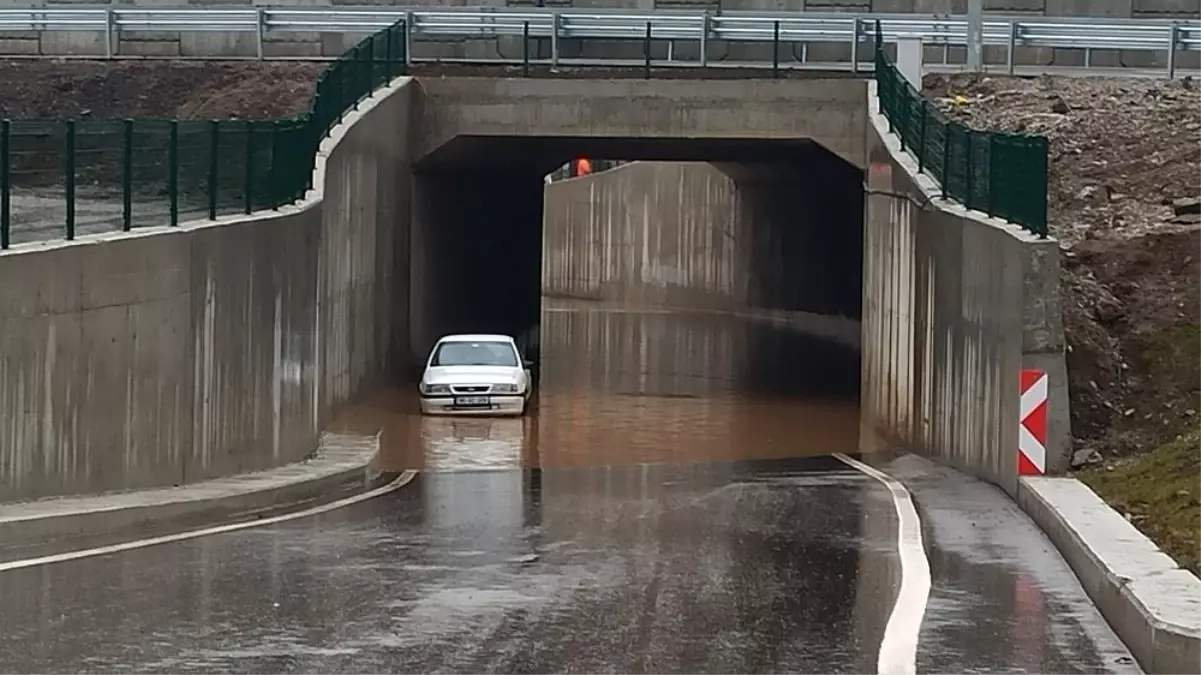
[(1161, 492), (1172, 355)]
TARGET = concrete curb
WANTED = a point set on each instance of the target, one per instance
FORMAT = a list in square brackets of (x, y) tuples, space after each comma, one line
[(340, 460), (1152, 604)]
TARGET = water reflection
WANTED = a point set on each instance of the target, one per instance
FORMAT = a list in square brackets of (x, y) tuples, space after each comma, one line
[(629, 386)]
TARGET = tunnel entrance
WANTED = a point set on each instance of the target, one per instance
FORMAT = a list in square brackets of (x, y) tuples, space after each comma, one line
[(478, 243)]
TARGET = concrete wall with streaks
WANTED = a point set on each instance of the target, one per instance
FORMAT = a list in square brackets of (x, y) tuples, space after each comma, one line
[(167, 356), (954, 306), (664, 233), (772, 236)]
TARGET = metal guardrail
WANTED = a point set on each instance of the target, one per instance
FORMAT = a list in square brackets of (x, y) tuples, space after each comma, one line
[(422, 23)]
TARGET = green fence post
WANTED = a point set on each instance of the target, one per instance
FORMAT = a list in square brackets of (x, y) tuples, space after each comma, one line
[(388, 69), (775, 49), (276, 166), (946, 157), (214, 141), (364, 59), (402, 33), (525, 49), (310, 159), (5, 182), (173, 171), (921, 138), (70, 171), (990, 201), (1041, 225), (646, 51), (372, 69), (968, 183), (378, 65), (248, 187), (127, 177), (328, 91)]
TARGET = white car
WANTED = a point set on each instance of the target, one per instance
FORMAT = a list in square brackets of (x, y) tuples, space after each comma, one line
[(475, 375)]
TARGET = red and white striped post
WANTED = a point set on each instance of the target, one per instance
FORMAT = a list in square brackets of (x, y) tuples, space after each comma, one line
[(1032, 424)]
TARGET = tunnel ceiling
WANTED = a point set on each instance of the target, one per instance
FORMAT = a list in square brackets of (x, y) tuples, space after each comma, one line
[(741, 158)]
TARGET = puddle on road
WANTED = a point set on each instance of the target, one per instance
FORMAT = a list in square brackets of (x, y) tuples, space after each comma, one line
[(629, 386)]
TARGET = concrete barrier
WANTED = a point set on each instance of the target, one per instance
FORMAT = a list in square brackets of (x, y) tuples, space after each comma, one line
[(1152, 603), (168, 356), (955, 304), (342, 463)]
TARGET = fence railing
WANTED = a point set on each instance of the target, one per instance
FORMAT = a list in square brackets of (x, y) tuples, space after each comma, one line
[(1001, 174), (73, 177), (791, 30)]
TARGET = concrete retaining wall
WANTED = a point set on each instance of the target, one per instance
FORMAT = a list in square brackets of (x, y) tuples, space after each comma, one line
[(954, 306), (663, 233), (779, 236), (167, 356)]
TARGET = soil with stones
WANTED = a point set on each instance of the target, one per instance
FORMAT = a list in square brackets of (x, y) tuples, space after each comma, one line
[(73, 89)]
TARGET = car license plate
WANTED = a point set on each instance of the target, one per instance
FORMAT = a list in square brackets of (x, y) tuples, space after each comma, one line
[(470, 401)]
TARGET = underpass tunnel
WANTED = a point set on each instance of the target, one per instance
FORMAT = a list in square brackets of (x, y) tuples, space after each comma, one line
[(478, 231), (635, 391)]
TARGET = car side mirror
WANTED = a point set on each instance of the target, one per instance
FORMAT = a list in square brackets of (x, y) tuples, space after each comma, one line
[(527, 364)]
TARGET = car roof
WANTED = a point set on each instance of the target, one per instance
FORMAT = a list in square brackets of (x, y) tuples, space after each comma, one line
[(476, 337)]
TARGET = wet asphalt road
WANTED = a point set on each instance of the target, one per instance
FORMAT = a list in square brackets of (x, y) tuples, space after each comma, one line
[(630, 569), (669, 507)]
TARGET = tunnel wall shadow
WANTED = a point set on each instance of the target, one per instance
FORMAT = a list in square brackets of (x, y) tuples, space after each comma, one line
[(955, 305), (476, 255)]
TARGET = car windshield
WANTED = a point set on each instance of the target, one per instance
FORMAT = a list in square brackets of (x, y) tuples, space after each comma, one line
[(474, 354)]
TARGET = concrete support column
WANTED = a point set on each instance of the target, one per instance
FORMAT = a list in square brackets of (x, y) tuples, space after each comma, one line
[(909, 60), (975, 35)]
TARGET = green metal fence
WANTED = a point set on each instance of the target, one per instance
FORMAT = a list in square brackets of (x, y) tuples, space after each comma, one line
[(69, 177), (1004, 175)]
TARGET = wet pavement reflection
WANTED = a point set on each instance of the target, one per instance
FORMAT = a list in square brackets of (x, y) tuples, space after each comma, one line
[(638, 385), (668, 505), (749, 567)]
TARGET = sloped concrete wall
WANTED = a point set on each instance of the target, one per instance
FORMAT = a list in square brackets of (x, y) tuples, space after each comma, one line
[(954, 306), (168, 356)]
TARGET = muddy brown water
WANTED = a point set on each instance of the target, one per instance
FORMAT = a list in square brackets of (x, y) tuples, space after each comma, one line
[(622, 385)]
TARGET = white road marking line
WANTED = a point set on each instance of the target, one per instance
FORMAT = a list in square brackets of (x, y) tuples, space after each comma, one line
[(400, 482), (898, 648)]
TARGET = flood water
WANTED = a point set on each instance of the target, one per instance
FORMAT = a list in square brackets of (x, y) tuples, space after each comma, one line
[(629, 385)]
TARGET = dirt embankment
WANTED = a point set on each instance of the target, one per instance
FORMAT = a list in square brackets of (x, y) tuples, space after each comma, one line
[(1125, 183), (154, 89)]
